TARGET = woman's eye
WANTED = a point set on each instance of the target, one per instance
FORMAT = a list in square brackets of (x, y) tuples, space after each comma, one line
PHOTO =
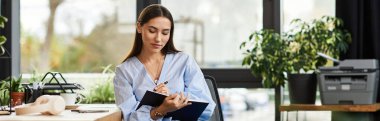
[(152, 31), (165, 32)]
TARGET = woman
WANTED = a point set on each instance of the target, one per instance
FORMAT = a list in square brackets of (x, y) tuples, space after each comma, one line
[(153, 61)]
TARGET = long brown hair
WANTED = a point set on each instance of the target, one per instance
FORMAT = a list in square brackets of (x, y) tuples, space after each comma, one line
[(148, 13)]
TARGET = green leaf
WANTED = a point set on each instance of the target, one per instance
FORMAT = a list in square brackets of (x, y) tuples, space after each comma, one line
[(3, 19), (2, 40), (250, 37), (242, 45), (2, 50)]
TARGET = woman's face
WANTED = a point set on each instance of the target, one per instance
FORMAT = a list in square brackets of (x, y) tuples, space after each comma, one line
[(155, 34)]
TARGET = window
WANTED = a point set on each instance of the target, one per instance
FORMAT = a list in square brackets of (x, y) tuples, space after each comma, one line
[(306, 10), (211, 31), (84, 36)]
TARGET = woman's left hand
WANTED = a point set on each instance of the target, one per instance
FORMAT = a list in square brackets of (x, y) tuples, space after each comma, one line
[(162, 88)]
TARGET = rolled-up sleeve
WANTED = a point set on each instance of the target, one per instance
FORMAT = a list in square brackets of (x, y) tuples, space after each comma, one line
[(126, 100), (196, 85)]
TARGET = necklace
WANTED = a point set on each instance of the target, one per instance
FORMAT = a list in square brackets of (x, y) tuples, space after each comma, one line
[(157, 76)]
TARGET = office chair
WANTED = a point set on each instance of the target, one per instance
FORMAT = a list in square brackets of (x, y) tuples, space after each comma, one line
[(218, 114)]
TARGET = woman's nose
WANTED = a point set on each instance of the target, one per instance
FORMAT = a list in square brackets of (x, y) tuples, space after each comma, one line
[(158, 37)]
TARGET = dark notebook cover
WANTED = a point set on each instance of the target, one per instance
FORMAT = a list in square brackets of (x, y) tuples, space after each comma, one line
[(188, 113)]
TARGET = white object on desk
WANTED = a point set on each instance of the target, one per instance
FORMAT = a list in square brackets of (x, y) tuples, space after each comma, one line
[(46, 104), (71, 98)]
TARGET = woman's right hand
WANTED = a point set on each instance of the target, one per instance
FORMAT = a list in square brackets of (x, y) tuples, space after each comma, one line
[(174, 102), (162, 89)]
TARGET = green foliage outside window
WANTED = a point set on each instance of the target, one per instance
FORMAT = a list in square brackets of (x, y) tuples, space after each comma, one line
[(102, 92)]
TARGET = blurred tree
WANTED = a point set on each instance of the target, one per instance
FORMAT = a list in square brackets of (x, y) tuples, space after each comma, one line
[(104, 45), (73, 52), (45, 48)]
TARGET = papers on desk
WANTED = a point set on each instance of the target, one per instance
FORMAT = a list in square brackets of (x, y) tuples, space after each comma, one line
[(190, 112), (89, 110)]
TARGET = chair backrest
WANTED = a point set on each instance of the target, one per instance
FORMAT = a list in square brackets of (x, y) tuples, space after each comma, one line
[(218, 114)]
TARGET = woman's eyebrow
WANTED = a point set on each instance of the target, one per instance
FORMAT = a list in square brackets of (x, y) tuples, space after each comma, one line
[(157, 28), (152, 27)]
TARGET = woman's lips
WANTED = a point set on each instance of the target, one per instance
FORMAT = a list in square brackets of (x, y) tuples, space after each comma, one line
[(156, 45)]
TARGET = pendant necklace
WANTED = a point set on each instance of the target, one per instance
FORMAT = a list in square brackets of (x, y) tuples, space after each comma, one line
[(158, 73)]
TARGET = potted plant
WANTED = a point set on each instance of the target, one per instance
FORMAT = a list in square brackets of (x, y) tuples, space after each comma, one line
[(4, 94), (325, 35), (270, 55), (267, 54), (2, 38), (16, 89)]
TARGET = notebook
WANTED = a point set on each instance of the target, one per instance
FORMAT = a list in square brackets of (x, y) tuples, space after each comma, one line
[(188, 113)]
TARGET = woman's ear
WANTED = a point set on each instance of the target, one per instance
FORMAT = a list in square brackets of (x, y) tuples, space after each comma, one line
[(139, 27)]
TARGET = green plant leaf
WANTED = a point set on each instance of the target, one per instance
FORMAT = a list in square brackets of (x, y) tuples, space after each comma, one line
[(2, 50), (2, 40), (2, 21), (242, 45)]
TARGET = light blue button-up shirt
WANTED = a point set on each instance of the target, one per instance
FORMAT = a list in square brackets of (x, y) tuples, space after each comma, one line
[(180, 70)]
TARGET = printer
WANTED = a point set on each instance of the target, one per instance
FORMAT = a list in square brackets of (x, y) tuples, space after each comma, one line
[(352, 81)]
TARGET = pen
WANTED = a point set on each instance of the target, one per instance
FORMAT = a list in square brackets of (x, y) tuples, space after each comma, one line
[(164, 83)]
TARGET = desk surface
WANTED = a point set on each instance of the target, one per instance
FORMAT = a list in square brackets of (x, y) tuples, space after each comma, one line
[(114, 114), (345, 108)]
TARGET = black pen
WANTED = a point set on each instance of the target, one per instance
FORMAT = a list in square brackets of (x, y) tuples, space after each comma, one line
[(164, 83)]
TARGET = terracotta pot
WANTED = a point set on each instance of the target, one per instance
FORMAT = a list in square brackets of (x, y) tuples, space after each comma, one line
[(17, 98)]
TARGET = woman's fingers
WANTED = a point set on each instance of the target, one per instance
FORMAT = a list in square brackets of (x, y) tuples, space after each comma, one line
[(177, 98), (176, 101), (173, 96), (183, 98), (161, 88), (186, 101), (163, 91)]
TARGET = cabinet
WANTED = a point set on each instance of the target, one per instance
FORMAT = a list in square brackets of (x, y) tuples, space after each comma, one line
[(339, 112)]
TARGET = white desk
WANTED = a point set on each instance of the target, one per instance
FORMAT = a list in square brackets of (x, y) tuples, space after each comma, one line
[(114, 114)]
